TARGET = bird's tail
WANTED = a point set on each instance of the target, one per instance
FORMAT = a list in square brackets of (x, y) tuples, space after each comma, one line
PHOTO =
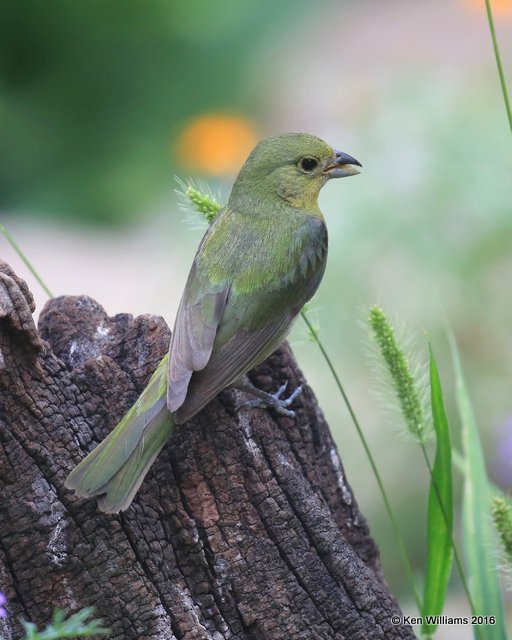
[(115, 469)]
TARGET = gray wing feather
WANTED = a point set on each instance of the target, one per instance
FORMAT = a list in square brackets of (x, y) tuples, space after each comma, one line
[(230, 362), (194, 332)]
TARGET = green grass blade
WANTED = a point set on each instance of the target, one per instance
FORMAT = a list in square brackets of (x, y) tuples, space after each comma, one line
[(27, 262), (479, 535), (497, 55), (440, 509)]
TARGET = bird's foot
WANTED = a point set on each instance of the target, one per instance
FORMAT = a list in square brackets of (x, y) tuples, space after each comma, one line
[(273, 400)]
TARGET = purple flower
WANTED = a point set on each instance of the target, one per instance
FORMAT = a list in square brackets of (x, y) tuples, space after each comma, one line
[(3, 600), (502, 466)]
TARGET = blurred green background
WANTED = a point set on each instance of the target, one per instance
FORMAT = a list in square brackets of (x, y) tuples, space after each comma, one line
[(102, 103)]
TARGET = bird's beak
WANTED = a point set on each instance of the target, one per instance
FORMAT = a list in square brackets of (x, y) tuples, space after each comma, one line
[(343, 165)]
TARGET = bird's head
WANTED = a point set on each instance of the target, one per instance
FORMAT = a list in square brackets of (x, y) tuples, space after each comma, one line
[(291, 167)]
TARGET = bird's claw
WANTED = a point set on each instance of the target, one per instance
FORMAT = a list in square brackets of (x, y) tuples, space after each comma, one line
[(280, 391), (274, 400)]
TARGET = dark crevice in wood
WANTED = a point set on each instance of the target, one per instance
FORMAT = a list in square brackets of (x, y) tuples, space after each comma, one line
[(291, 566), (147, 570), (9, 569)]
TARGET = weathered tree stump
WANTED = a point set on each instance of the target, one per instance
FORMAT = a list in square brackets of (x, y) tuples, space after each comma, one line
[(245, 527)]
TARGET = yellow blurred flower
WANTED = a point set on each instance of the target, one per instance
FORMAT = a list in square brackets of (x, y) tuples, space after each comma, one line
[(216, 144), (499, 7)]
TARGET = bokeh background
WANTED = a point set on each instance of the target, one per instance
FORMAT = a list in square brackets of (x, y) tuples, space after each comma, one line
[(103, 103)]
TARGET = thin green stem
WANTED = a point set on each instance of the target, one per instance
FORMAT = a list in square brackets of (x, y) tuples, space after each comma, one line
[(498, 62), (371, 460), (24, 258)]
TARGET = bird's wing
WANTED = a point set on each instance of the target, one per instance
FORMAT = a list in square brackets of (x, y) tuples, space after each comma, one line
[(194, 332), (231, 361)]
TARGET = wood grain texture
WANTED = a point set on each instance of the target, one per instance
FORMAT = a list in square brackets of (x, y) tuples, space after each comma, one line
[(245, 528)]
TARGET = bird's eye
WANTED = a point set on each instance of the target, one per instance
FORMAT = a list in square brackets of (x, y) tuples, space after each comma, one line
[(308, 164)]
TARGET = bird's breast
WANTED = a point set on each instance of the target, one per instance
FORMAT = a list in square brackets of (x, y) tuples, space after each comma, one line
[(264, 253)]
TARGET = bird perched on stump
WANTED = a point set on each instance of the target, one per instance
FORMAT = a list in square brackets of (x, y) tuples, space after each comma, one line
[(259, 262)]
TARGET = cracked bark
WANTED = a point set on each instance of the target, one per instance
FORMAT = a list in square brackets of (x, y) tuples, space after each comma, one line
[(245, 527)]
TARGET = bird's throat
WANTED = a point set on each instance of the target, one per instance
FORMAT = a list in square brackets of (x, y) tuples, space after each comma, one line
[(306, 200)]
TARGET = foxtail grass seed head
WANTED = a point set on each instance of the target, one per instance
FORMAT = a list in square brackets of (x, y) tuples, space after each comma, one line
[(501, 511), (197, 198), (205, 203), (403, 381)]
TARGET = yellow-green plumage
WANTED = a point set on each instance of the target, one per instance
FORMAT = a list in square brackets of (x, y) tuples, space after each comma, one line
[(259, 262)]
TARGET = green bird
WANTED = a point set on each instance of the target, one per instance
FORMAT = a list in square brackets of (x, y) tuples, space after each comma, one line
[(259, 262)]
